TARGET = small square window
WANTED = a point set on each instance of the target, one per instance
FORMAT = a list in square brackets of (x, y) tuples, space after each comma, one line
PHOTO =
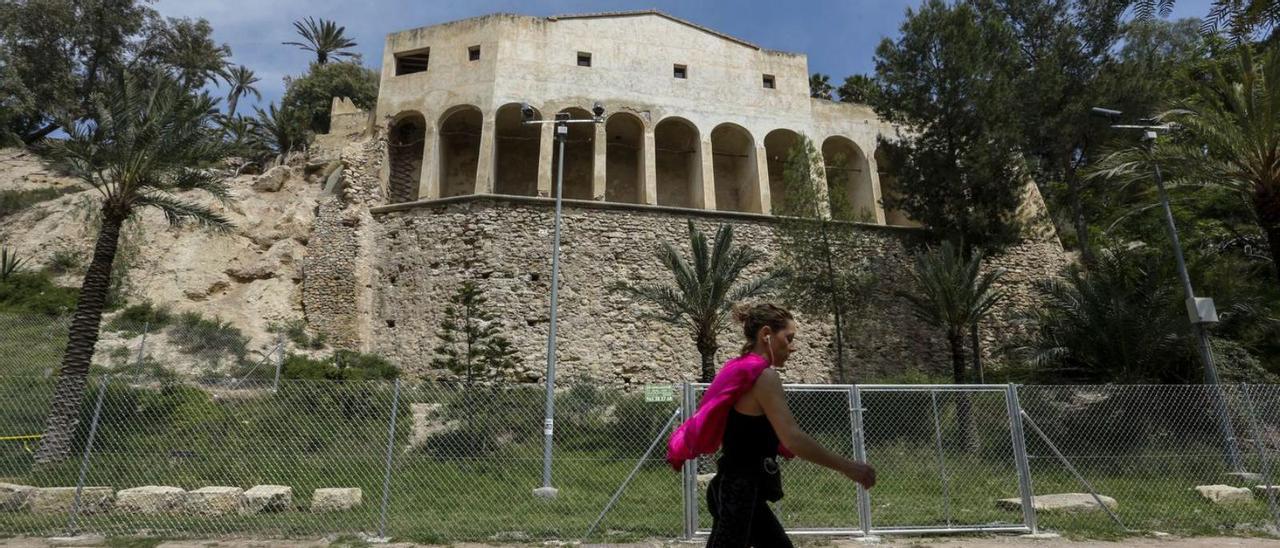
[(681, 72), (768, 82), (473, 53), (410, 62), (584, 59)]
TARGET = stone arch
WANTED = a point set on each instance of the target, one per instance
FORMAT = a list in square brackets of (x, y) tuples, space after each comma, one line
[(624, 158), (678, 162), (777, 145), (516, 152), (737, 177), (849, 183), (579, 155), (889, 187), (405, 141), (459, 150)]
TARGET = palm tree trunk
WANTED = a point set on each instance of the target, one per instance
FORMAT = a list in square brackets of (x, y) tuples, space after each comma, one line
[(231, 105), (1267, 205), (965, 430), (64, 413), (707, 348)]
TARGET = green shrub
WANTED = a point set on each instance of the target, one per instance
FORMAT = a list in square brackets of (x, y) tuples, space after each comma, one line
[(35, 293), (296, 332), (208, 338), (135, 317), (342, 365), (64, 261)]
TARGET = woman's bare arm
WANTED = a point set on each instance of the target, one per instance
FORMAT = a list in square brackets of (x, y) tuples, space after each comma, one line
[(768, 392)]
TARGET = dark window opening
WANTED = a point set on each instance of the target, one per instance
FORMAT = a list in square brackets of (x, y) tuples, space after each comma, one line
[(681, 72), (768, 82), (584, 59), (391, 323), (411, 62), (473, 53)]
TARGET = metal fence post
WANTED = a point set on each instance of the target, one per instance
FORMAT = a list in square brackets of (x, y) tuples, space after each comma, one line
[(1019, 438), (142, 346), (942, 466), (1262, 453), (84, 461), (690, 475), (386, 475), (860, 454)]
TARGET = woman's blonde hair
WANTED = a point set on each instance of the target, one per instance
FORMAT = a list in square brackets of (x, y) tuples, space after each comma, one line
[(753, 317)]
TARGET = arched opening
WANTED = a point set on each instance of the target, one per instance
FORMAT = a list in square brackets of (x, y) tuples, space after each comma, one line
[(459, 150), (733, 154), (678, 152), (623, 168), (516, 153), (777, 145), (889, 188), (848, 180), (404, 156), (579, 157)]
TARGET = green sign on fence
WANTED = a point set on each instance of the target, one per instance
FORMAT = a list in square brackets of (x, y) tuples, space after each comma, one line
[(658, 393)]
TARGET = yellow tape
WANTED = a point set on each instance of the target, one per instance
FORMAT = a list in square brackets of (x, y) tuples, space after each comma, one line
[(31, 437)]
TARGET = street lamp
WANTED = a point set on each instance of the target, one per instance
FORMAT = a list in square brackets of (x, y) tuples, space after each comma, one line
[(1200, 310), (562, 121)]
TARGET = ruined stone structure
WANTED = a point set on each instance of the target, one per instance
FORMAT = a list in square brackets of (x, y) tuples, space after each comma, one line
[(443, 183)]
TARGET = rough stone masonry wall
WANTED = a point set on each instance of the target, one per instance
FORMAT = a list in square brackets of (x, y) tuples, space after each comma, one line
[(423, 253)]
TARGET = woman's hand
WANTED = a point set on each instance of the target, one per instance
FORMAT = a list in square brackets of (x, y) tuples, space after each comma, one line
[(864, 474)]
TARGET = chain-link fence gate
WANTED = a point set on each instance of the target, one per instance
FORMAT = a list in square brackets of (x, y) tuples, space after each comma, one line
[(942, 452)]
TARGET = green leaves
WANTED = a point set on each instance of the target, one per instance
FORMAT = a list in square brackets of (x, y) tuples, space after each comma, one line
[(9, 262), (471, 342), (952, 292), (324, 37)]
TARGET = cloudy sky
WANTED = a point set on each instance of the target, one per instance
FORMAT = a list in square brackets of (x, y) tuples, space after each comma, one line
[(839, 36)]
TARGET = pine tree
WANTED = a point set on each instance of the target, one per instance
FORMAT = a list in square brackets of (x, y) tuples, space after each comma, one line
[(470, 342)]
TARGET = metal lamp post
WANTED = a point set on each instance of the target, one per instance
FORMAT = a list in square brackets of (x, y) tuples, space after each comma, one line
[(1200, 310), (562, 121)]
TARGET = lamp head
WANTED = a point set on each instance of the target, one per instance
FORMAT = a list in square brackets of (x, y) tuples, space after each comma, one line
[(597, 109), (526, 112)]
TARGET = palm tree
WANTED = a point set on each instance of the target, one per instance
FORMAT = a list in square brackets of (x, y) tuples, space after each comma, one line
[(1228, 136), (705, 290), (953, 294), (150, 139), (277, 130), (820, 86), (324, 37), (241, 80)]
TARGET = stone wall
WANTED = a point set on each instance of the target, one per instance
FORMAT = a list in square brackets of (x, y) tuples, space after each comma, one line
[(424, 252)]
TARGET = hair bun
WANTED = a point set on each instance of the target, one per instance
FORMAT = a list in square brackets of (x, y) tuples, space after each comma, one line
[(742, 312)]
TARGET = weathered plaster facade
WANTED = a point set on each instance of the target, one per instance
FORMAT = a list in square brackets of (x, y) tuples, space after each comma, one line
[(444, 184)]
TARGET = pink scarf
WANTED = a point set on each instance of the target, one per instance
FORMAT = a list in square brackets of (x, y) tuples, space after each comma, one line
[(702, 434)]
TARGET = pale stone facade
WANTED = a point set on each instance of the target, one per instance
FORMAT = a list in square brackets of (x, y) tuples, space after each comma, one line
[(693, 118), (443, 184)]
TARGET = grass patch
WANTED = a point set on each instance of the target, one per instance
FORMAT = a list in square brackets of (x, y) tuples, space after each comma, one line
[(211, 339), (14, 201), (35, 293), (137, 317), (296, 332)]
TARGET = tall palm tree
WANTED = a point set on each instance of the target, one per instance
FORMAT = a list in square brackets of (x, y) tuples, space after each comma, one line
[(820, 85), (952, 293), (324, 37), (704, 291), (1228, 135), (150, 140), (241, 81)]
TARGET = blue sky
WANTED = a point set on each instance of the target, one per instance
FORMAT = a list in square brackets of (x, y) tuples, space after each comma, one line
[(839, 36)]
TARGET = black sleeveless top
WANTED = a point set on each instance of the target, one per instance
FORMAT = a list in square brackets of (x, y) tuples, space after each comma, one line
[(750, 447)]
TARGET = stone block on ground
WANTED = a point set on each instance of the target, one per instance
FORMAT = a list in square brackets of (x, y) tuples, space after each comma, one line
[(273, 180), (58, 500), (214, 501), (335, 499), (1261, 490), (151, 499), (266, 498), (13, 497), (704, 480), (1061, 502), (1224, 494)]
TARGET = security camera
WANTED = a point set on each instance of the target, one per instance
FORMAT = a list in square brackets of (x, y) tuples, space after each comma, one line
[(598, 109), (527, 112)]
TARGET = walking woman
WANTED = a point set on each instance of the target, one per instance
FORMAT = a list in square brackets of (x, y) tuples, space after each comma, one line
[(745, 410)]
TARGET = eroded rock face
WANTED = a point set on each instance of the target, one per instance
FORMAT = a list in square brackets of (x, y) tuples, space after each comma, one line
[(1061, 502), (13, 497), (214, 501), (335, 499), (151, 499)]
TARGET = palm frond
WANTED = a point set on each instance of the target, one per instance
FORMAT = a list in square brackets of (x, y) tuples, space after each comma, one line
[(179, 212)]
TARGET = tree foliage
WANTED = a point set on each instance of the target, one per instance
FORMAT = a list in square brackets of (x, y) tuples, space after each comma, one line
[(310, 96), (471, 343)]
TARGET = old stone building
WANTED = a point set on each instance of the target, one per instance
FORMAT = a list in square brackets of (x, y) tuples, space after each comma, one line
[(443, 183)]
